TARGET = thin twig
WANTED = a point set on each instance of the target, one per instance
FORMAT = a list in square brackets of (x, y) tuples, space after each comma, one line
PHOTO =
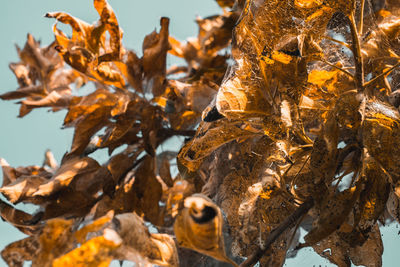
[(176, 69), (302, 166), (130, 168), (361, 25), (337, 41), (356, 49), (164, 134), (340, 180), (295, 229), (338, 68), (343, 153), (171, 132), (276, 233), (381, 75)]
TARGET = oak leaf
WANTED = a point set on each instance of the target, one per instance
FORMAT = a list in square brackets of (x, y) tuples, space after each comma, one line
[(199, 227)]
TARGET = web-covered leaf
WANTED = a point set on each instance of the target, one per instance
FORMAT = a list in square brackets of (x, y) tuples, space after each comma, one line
[(300, 131)]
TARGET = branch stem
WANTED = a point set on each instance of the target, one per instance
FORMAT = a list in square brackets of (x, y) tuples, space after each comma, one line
[(338, 68), (387, 72), (361, 25), (289, 222), (337, 41), (356, 49)]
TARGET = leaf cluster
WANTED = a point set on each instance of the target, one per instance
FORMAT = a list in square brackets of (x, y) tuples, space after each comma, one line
[(136, 105), (301, 131), (308, 116)]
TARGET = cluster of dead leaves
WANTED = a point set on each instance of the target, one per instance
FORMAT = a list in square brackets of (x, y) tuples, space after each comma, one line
[(308, 110), (90, 213)]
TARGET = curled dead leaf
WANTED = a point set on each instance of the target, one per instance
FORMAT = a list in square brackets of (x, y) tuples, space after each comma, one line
[(198, 226), (66, 173)]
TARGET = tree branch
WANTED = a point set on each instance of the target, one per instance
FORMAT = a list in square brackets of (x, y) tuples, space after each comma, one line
[(289, 222), (361, 25), (337, 41), (125, 173), (338, 68), (176, 69), (356, 49), (381, 75), (171, 132), (164, 134)]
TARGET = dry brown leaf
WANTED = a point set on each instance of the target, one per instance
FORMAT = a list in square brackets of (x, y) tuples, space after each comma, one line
[(24, 92), (122, 199), (125, 127), (262, 61), (334, 249), (58, 98), (132, 69), (23, 189), (94, 252), (345, 6), (159, 249), (18, 218), (155, 47), (333, 212), (201, 53), (148, 191), (83, 106), (393, 206), (370, 253), (373, 197), (225, 3), (165, 173), (9, 173), (215, 32), (16, 253), (94, 226), (119, 165), (199, 227), (43, 80), (88, 115), (54, 240), (22, 74), (43, 60), (382, 122), (168, 252), (66, 173), (209, 137), (87, 50), (68, 203), (94, 182), (324, 155), (321, 77), (109, 20)]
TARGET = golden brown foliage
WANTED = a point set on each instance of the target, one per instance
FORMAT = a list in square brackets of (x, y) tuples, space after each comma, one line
[(302, 130)]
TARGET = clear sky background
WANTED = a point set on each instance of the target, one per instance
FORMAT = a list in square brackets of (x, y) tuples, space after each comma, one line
[(24, 141)]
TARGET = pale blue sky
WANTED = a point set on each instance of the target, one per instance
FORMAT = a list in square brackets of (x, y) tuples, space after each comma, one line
[(23, 141)]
